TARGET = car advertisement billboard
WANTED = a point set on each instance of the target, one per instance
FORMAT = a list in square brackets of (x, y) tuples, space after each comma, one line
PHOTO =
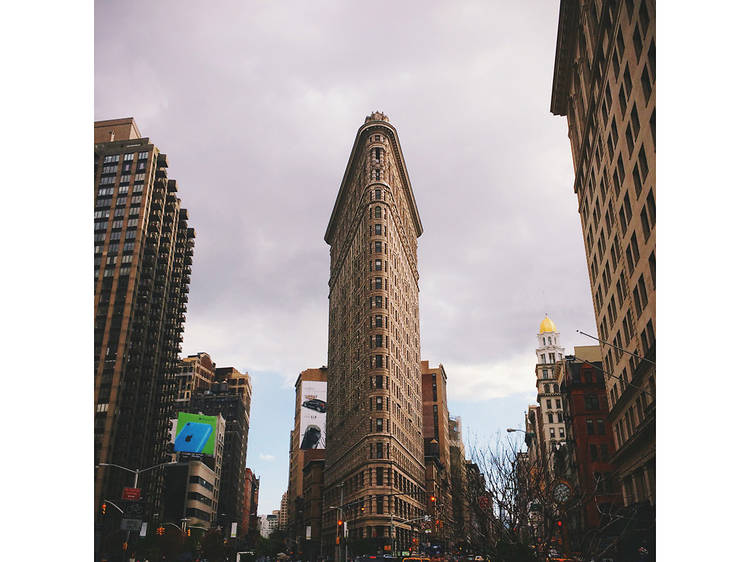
[(312, 419), (195, 433)]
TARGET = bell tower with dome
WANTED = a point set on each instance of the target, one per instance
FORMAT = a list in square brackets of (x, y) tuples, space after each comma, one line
[(548, 395)]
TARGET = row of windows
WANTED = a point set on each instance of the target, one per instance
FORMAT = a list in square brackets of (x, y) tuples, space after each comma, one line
[(116, 224), (120, 212), (114, 235), (105, 202), (555, 386), (123, 189), (550, 357), (112, 158), (561, 433)]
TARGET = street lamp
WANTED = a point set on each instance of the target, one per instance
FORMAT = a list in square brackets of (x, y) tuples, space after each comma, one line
[(136, 473)]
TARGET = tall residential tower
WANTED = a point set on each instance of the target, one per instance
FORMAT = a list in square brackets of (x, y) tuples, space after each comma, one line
[(143, 249), (374, 425)]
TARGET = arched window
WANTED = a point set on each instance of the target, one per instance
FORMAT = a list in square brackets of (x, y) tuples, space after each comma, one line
[(378, 212)]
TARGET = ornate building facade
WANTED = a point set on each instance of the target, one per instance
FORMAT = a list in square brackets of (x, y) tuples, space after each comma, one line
[(548, 395), (375, 456)]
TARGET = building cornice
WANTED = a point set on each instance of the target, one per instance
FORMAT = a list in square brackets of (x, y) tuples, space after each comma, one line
[(564, 52)]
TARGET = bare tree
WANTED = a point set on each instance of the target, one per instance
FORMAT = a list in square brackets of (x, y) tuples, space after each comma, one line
[(529, 513)]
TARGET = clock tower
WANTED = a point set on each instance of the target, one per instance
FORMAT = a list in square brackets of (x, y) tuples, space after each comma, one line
[(548, 353)]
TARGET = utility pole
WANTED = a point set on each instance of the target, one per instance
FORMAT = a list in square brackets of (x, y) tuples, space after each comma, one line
[(341, 518)]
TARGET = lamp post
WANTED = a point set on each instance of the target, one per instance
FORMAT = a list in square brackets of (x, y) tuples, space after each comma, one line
[(392, 528), (340, 509), (136, 472)]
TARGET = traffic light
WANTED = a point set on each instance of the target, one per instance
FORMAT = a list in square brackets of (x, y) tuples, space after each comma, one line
[(362, 508), (103, 509), (188, 532), (160, 531), (433, 499), (559, 523), (124, 546), (340, 522)]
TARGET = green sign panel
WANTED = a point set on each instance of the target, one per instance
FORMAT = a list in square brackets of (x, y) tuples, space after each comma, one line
[(195, 433)]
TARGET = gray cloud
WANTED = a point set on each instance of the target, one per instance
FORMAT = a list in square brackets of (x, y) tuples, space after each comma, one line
[(256, 105)]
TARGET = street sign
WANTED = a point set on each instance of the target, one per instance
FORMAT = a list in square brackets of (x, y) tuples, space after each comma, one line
[(234, 530), (131, 494), (133, 510), (144, 528), (130, 524)]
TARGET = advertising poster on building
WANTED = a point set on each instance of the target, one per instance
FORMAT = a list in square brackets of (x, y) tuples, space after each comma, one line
[(312, 418), (195, 433)]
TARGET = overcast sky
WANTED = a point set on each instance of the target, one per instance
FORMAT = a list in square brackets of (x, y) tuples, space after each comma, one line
[(256, 105)]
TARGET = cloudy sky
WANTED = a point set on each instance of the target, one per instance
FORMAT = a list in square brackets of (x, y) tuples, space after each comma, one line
[(256, 105)]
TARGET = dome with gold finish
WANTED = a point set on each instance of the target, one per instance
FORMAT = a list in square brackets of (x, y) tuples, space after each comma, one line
[(547, 325)]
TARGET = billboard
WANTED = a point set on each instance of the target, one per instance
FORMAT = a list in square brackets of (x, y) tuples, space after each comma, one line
[(312, 418), (195, 433)]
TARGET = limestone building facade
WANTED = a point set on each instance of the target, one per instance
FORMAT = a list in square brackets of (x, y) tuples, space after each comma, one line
[(375, 457), (604, 83)]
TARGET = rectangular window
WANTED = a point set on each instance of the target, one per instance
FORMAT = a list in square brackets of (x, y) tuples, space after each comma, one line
[(379, 450), (591, 402), (635, 121), (637, 301), (628, 83), (646, 85), (379, 424), (379, 229), (594, 452), (645, 224), (637, 180), (634, 246), (652, 267), (643, 162), (552, 432), (600, 425), (637, 42), (629, 139), (379, 476), (590, 427), (378, 265)]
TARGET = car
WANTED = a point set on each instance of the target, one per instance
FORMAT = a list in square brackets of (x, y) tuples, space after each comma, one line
[(315, 404), (311, 437)]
